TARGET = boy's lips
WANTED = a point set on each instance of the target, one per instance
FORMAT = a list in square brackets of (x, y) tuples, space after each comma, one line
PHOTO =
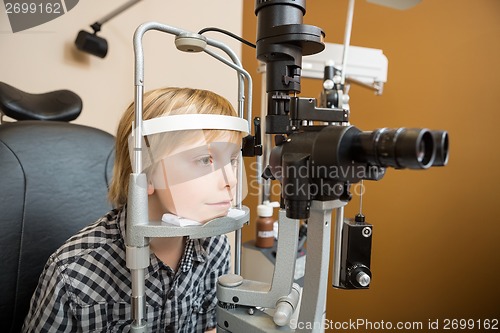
[(226, 203)]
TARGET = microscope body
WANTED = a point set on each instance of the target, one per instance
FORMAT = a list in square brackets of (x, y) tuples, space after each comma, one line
[(317, 156)]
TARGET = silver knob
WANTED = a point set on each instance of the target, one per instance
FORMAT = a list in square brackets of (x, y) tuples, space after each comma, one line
[(363, 279)]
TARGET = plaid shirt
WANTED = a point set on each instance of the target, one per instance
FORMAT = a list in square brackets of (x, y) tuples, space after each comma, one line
[(86, 287)]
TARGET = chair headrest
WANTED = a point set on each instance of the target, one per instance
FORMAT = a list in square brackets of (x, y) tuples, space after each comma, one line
[(61, 105)]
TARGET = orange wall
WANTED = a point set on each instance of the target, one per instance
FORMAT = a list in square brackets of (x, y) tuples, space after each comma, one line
[(436, 251)]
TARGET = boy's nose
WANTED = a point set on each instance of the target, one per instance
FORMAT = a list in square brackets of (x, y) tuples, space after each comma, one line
[(229, 177)]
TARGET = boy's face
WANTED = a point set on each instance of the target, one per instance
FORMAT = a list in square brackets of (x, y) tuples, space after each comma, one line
[(198, 180)]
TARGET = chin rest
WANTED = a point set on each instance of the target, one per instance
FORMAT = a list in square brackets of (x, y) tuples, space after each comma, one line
[(61, 105), (54, 178)]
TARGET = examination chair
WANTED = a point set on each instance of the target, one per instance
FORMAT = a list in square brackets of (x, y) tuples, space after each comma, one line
[(54, 178)]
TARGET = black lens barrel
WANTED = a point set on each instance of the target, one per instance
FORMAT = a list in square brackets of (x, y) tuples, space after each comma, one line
[(412, 148), (441, 142)]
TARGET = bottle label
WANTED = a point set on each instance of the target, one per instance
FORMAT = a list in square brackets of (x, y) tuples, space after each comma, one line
[(265, 234)]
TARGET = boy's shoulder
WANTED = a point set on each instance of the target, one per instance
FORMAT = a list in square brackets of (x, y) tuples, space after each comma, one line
[(95, 237), (90, 266)]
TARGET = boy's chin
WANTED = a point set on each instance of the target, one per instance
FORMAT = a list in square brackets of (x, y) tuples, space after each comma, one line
[(210, 217)]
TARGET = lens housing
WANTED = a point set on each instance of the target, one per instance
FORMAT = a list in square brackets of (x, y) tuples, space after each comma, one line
[(400, 148), (441, 142)]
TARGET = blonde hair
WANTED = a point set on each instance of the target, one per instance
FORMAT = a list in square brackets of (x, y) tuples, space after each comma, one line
[(157, 103)]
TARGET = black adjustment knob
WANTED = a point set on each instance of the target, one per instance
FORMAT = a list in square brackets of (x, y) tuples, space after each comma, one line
[(359, 218), (268, 174), (279, 140)]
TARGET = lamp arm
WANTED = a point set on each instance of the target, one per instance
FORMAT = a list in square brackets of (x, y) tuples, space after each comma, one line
[(97, 25)]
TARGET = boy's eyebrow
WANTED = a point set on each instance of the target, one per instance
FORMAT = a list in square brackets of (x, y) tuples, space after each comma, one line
[(210, 149), (224, 146)]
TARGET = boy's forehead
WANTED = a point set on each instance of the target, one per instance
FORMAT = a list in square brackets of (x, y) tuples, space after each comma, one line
[(225, 136), (200, 141)]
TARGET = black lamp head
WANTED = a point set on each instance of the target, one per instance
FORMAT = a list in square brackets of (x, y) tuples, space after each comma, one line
[(91, 43)]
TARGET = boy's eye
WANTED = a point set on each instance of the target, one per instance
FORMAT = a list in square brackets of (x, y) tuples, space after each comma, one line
[(204, 161), (234, 161)]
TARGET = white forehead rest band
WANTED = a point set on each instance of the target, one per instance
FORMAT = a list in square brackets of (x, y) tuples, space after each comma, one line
[(185, 122)]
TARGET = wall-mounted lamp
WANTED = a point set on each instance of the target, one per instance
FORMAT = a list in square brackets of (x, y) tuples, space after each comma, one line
[(93, 44)]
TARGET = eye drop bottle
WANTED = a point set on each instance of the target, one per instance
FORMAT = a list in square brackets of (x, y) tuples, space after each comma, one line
[(265, 225)]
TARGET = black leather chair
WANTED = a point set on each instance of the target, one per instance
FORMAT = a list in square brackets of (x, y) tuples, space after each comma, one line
[(54, 178)]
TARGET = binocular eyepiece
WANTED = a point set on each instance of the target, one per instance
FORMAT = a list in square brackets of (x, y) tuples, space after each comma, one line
[(319, 162), (401, 148), (347, 154)]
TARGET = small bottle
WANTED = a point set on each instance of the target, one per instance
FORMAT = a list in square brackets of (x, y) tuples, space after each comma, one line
[(265, 225)]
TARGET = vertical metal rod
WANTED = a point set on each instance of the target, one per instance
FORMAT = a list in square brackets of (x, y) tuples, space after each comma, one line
[(263, 161), (347, 38), (239, 190), (237, 252), (337, 239), (137, 131), (138, 301), (313, 304), (361, 197)]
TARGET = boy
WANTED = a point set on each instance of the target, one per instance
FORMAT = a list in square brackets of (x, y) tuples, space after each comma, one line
[(86, 286)]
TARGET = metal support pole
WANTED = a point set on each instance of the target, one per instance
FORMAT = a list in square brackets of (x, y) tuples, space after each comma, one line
[(313, 305), (337, 250), (137, 246)]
